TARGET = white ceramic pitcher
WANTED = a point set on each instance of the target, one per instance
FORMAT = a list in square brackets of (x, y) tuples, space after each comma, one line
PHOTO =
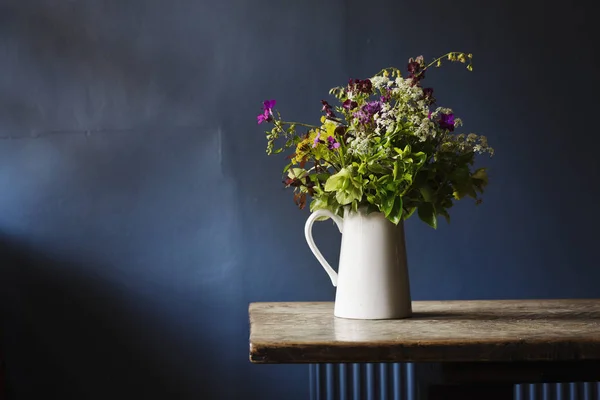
[(372, 278)]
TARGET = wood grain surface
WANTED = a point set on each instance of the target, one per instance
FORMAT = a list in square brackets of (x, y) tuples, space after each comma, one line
[(439, 331)]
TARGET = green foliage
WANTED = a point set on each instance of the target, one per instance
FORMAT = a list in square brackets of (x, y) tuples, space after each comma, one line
[(384, 148)]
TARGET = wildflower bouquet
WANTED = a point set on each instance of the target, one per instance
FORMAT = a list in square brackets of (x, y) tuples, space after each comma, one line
[(385, 148)]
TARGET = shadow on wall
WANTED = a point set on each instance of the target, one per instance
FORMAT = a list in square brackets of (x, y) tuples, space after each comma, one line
[(69, 336)]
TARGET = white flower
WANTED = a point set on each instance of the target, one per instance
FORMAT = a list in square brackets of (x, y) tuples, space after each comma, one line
[(360, 145), (379, 81)]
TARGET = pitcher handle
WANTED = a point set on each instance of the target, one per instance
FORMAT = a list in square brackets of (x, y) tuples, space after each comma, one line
[(311, 243)]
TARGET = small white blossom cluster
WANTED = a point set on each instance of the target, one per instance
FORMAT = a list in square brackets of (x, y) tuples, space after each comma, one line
[(467, 143), (385, 119), (359, 145), (411, 109), (380, 82)]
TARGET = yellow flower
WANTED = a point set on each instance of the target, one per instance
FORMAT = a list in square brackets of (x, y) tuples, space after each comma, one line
[(304, 147)]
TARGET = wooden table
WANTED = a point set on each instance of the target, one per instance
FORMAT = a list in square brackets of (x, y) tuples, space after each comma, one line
[(461, 349)]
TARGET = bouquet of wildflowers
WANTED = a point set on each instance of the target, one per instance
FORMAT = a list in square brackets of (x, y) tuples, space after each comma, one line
[(386, 147)]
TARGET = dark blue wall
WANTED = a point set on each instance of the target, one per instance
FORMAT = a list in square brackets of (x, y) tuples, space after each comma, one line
[(139, 214)]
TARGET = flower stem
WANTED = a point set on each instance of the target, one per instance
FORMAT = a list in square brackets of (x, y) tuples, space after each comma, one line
[(439, 59), (300, 124)]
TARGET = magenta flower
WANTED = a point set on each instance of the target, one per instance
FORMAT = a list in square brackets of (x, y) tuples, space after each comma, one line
[(264, 117), (333, 144), (447, 121), (317, 140), (267, 114), (268, 105)]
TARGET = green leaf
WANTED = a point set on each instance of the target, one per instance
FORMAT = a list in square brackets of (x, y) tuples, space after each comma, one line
[(466, 158), (330, 126), (427, 193), (344, 197), (285, 169), (406, 151), (445, 214), (395, 216), (421, 157), (323, 177), (465, 189), (383, 179), (376, 168), (427, 214), (421, 178), (337, 181), (396, 168), (409, 212), (481, 175), (460, 174), (297, 173), (388, 204)]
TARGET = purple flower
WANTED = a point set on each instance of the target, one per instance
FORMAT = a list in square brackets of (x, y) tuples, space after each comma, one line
[(350, 104), (267, 114), (362, 117), (333, 144), (317, 139), (372, 107), (447, 121), (366, 112)]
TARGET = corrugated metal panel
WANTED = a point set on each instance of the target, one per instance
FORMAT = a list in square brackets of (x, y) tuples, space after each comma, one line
[(371, 381), (395, 381), (558, 391)]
